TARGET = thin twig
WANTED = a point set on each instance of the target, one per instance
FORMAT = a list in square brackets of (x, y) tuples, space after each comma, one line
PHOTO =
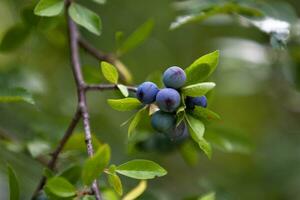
[(54, 156), (101, 87), (108, 57), (76, 67)]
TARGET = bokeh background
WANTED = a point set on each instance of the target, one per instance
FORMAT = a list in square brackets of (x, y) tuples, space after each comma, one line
[(257, 97)]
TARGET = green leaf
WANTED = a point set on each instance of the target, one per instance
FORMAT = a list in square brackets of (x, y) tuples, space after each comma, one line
[(202, 68), (49, 8), (198, 89), (14, 37), (60, 187), (91, 74), (125, 104), (137, 37), (110, 72), (72, 173), (123, 89), (115, 181), (189, 152), (209, 196), (95, 165), (196, 127), (141, 169), (206, 147), (135, 121), (136, 192), (38, 147), (100, 1), (14, 190), (48, 173), (85, 18), (76, 143), (204, 113), (10, 95)]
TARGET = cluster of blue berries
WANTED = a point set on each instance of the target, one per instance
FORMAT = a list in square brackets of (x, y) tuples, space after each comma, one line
[(167, 99)]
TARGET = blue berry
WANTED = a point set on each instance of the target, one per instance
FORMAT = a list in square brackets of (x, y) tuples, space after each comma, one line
[(168, 100), (146, 92), (163, 122), (174, 77), (191, 102)]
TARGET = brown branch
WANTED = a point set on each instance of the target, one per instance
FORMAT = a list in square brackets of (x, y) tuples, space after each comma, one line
[(76, 68), (82, 88), (101, 87), (54, 156), (108, 57)]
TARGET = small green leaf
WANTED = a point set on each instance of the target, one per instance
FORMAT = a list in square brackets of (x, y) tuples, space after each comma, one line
[(141, 169), (100, 1), (14, 191), (202, 68), (85, 18), (14, 37), (204, 113), (10, 95), (123, 89), (125, 104), (189, 152), (60, 187), (137, 37), (206, 147), (95, 165), (76, 143), (110, 72), (48, 173), (196, 127), (115, 181), (198, 89), (119, 37), (209, 196), (136, 192), (72, 173), (135, 121), (49, 8), (38, 147)]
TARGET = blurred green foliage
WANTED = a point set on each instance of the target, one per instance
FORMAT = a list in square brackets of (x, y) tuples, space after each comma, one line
[(257, 95)]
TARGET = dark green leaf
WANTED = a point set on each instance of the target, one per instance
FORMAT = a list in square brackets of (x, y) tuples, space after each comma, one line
[(48, 173), (14, 37), (115, 181), (135, 121), (72, 173), (85, 18), (202, 68), (49, 8), (29, 18), (110, 72), (76, 142), (198, 89), (91, 74), (206, 147), (95, 165), (204, 113), (60, 187), (137, 37), (125, 104), (8, 95), (141, 169), (189, 152), (14, 190)]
